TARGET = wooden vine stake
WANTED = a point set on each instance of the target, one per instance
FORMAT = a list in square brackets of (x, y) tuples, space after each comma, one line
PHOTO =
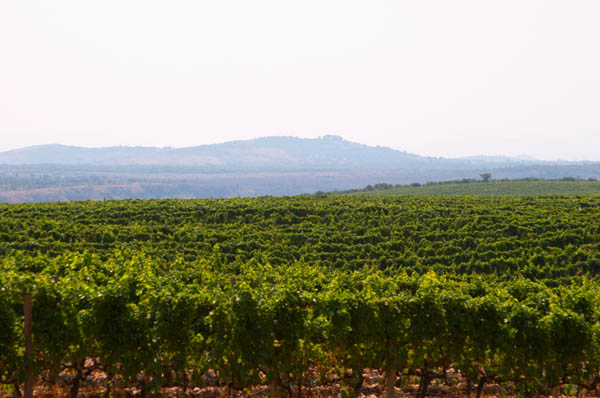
[(390, 381), (28, 350), (390, 373)]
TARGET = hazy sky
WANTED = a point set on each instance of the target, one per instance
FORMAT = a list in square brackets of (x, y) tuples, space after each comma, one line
[(443, 78)]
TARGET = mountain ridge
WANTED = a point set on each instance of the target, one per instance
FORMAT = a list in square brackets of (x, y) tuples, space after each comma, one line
[(263, 166), (267, 152), (263, 153)]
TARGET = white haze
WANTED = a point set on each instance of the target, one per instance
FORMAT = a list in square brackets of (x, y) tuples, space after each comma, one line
[(441, 78)]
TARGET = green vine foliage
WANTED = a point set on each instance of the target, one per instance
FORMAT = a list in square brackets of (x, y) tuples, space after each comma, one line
[(269, 290)]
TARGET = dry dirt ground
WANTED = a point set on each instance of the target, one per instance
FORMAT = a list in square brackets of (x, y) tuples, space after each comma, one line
[(95, 386)]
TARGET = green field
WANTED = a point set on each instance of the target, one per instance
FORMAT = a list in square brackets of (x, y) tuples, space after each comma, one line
[(526, 187), (304, 292)]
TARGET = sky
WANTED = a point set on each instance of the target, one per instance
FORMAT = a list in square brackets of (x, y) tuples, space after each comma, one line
[(437, 78)]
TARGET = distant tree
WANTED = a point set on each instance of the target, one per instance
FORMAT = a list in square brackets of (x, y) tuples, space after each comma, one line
[(485, 176)]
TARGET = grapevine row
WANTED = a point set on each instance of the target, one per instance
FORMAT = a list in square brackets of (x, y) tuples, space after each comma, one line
[(550, 238), (148, 323)]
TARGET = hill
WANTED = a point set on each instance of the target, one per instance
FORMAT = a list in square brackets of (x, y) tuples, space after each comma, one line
[(263, 166), (521, 187), (329, 152), (267, 153)]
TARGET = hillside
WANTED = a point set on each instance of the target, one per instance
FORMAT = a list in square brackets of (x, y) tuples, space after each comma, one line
[(267, 153), (521, 187), (329, 152)]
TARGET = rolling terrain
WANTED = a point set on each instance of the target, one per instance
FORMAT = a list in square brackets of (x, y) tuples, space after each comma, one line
[(272, 153), (265, 166), (521, 187)]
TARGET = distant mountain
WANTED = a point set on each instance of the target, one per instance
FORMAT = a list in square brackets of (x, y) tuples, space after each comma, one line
[(263, 166), (328, 152), (262, 154)]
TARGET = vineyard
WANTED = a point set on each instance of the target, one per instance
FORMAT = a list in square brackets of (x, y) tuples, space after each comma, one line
[(503, 187), (303, 296)]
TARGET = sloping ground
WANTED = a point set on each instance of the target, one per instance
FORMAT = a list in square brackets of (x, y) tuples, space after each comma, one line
[(527, 187), (265, 153)]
